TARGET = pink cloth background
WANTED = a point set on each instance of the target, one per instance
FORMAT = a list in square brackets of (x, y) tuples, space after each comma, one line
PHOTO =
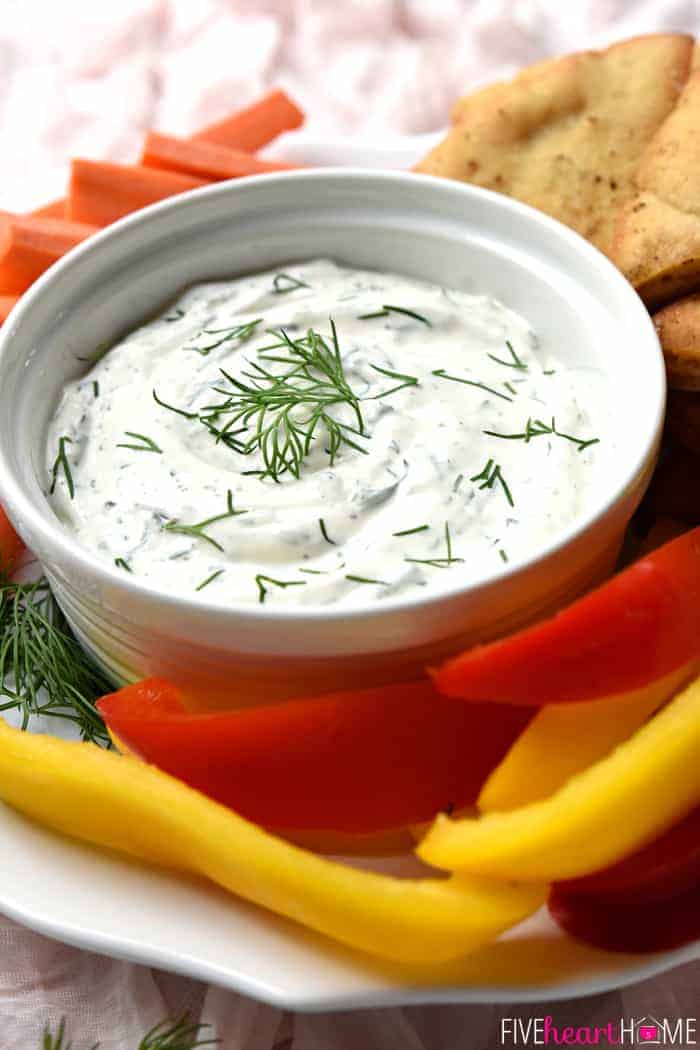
[(84, 77)]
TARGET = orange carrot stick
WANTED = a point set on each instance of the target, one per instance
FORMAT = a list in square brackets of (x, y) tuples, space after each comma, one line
[(252, 128), (204, 159), (29, 245), (101, 192), (6, 304), (52, 210)]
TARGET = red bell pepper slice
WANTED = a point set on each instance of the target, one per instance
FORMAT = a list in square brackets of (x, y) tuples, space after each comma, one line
[(11, 545), (666, 867), (652, 927), (357, 761), (639, 626)]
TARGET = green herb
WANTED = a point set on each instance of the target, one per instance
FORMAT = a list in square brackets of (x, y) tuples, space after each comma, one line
[(536, 428), (176, 316), (442, 374), (324, 532), (147, 444), (96, 388), (386, 310), (407, 381), (198, 528), (99, 353), (488, 477), (171, 408), (410, 532), (515, 361), (284, 282), (262, 580), (365, 579), (56, 1042), (209, 579), (504, 556), (439, 563), (43, 669), (287, 410), (458, 481), (122, 564), (314, 572), (61, 463), (510, 387), (549, 372), (180, 1034), (241, 332)]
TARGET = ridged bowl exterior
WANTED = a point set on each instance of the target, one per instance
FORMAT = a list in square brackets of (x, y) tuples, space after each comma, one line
[(581, 307)]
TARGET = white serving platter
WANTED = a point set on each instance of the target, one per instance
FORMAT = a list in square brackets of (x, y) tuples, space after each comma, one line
[(102, 902)]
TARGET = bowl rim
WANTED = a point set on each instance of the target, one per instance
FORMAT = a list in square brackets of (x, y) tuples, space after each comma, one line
[(20, 505)]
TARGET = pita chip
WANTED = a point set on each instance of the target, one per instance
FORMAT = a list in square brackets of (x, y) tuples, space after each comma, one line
[(567, 136), (678, 326), (656, 242)]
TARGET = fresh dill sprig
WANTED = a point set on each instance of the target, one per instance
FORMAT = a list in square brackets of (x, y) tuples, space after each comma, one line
[(198, 528), (286, 410), (241, 332), (387, 309), (56, 1042), (180, 1034), (549, 372), (171, 408), (488, 477), (61, 463), (366, 579), (410, 532), (439, 563), (176, 316), (442, 374), (503, 555), (43, 669), (121, 563), (284, 282), (406, 381), (515, 361), (314, 572), (209, 579), (510, 388), (536, 428), (261, 580), (324, 533), (147, 444), (95, 388)]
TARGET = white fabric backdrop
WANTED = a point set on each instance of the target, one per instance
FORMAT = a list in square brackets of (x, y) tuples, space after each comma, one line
[(84, 77)]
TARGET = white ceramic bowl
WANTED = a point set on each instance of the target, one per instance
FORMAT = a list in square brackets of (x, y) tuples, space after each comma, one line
[(581, 307)]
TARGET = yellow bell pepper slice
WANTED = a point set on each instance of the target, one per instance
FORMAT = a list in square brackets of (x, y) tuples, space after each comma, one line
[(598, 817), (563, 739), (124, 804)]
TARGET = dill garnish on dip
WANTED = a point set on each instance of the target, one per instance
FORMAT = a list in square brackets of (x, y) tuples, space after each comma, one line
[(324, 435)]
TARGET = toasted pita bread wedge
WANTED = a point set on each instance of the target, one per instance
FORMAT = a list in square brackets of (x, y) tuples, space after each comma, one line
[(656, 242), (678, 326), (567, 136), (657, 247)]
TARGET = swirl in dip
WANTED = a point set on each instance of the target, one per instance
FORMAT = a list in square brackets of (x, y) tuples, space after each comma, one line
[(324, 435)]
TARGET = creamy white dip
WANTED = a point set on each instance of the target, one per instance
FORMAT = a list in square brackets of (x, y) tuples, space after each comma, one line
[(474, 447)]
